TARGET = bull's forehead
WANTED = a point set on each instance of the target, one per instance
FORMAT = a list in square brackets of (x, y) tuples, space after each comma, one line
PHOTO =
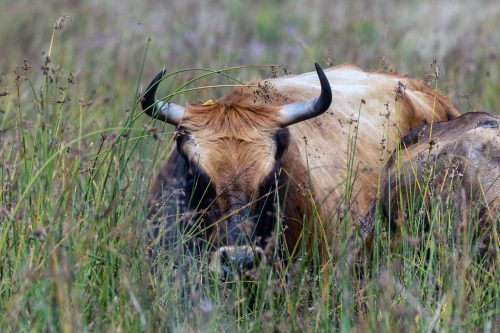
[(237, 114), (232, 160), (233, 139)]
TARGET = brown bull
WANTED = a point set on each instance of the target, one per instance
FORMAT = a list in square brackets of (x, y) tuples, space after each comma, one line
[(450, 169), (316, 142)]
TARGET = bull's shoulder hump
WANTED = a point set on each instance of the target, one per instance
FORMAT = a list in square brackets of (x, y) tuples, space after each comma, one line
[(307, 85), (345, 74)]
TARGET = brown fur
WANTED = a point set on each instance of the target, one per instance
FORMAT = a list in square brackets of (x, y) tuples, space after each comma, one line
[(231, 140), (234, 133), (463, 158), (444, 102), (232, 116)]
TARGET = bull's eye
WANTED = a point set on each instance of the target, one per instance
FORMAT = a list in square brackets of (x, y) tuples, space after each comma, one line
[(281, 137), (202, 189), (182, 139), (200, 186)]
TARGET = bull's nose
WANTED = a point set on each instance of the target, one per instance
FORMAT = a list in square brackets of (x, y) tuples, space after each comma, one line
[(236, 259)]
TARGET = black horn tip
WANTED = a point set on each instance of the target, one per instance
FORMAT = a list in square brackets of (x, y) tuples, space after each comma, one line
[(149, 96), (325, 99)]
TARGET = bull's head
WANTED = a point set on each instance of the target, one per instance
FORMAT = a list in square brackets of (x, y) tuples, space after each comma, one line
[(233, 148)]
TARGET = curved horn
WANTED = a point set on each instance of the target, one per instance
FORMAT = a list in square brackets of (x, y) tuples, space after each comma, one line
[(167, 112), (296, 112)]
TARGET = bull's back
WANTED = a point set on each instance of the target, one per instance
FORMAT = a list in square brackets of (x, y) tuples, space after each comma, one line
[(467, 147), (345, 148)]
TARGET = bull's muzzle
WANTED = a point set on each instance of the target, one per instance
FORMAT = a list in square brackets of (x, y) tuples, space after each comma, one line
[(229, 260)]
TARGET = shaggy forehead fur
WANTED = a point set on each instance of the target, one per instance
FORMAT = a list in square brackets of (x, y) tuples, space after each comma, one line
[(234, 115), (233, 138)]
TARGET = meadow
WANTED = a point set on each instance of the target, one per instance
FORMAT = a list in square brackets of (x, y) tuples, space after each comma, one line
[(77, 158)]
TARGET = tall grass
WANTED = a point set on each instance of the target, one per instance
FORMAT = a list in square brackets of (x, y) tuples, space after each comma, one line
[(76, 162)]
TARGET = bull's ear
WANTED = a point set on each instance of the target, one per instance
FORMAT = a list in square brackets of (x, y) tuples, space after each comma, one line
[(167, 112), (297, 112)]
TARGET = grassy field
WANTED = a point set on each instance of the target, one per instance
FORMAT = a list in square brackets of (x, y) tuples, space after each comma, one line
[(77, 158)]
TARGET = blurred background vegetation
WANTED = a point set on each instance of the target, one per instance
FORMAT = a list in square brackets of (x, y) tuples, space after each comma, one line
[(103, 42), (77, 158)]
